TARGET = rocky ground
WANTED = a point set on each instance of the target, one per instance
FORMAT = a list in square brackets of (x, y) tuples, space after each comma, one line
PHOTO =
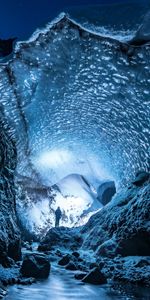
[(115, 242), (112, 247)]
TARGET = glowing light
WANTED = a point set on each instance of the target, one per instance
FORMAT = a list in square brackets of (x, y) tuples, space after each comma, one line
[(55, 158)]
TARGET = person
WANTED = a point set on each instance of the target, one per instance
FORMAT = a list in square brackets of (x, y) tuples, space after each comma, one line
[(58, 215)]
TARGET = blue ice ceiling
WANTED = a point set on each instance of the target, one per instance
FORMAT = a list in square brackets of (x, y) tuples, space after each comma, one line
[(77, 104)]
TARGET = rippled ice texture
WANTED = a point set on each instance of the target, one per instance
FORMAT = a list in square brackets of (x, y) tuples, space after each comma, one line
[(72, 90)]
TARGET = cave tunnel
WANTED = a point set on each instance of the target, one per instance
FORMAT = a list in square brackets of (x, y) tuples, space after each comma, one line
[(79, 111), (75, 134)]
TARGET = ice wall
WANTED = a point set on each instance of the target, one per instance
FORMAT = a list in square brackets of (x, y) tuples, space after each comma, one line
[(69, 90)]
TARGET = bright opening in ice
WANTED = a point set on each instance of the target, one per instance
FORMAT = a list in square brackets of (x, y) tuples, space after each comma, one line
[(54, 158)]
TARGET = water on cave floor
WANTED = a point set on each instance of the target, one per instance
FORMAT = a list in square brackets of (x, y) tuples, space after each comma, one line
[(62, 286)]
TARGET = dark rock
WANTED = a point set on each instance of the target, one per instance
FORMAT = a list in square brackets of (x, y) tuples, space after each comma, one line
[(112, 268), (44, 248), (108, 248), (71, 266), (142, 263), (35, 265), (141, 178), (93, 265), (138, 244), (76, 254), (135, 270), (80, 259), (121, 227), (80, 276), (60, 236), (95, 277), (64, 260), (101, 264), (82, 267)]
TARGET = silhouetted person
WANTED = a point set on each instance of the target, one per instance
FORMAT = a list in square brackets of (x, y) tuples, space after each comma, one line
[(58, 215), (6, 47)]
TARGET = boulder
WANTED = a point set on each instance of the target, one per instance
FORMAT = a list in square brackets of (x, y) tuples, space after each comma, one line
[(108, 248), (64, 260), (80, 276), (60, 236), (122, 226), (71, 266), (93, 265), (95, 277), (76, 254), (36, 266), (136, 245)]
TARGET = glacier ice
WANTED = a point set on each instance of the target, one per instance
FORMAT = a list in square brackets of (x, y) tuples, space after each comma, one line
[(72, 90)]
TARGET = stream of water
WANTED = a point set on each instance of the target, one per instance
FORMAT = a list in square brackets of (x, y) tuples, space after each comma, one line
[(61, 285)]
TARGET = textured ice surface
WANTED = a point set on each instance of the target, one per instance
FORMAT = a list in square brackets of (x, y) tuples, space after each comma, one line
[(73, 91)]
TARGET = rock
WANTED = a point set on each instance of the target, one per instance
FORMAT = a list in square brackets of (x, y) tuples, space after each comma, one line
[(80, 276), (95, 277), (121, 227), (35, 265), (80, 259), (106, 191), (76, 254), (136, 245), (64, 260), (142, 263), (93, 265), (141, 178), (60, 236), (82, 267), (71, 266), (135, 270), (108, 248), (44, 248), (101, 264)]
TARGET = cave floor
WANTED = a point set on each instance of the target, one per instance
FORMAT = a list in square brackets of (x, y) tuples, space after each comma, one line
[(61, 285)]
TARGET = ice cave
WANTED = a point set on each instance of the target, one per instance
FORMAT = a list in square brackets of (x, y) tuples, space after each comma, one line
[(75, 134)]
